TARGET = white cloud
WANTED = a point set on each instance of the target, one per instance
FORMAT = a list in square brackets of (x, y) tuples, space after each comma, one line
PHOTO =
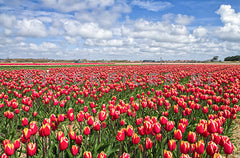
[(231, 20), (200, 31), (76, 5), (31, 28), (154, 6), (86, 30), (184, 19), (7, 20)]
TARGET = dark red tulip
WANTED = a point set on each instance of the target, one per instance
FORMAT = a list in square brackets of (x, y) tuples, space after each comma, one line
[(184, 147), (79, 139)]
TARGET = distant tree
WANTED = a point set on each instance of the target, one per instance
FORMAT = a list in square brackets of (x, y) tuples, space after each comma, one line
[(215, 58), (232, 58)]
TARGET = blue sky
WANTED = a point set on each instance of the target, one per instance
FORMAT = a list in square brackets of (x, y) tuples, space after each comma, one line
[(119, 29)]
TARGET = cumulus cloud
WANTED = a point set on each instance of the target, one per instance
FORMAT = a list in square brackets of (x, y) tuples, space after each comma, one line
[(200, 31), (7, 20), (231, 20), (184, 19), (86, 30), (154, 6), (31, 28), (76, 5)]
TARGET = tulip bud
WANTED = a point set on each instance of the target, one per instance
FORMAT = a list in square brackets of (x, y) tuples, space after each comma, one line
[(60, 134), (212, 148), (163, 120), (16, 144), (90, 121), (9, 149), (228, 148), (87, 154), (184, 147), (192, 137), (125, 155), (72, 135), (31, 149), (159, 137), (167, 154), (46, 129), (102, 155), (156, 128), (200, 128), (86, 130), (212, 126), (63, 144), (33, 127), (139, 121), (102, 116), (135, 139), (74, 150), (200, 147), (120, 135), (169, 126), (96, 126), (172, 144), (24, 121), (147, 127), (27, 133), (80, 116), (79, 139), (149, 143), (178, 134), (129, 130)]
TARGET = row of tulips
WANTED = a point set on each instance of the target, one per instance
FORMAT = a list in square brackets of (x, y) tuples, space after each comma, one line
[(119, 111)]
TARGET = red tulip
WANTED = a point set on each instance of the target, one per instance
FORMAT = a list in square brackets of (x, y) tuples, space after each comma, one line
[(86, 130), (4, 155), (167, 154), (33, 127), (27, 133), (87, 154), (139, 121), (24, 121), (72, 135), (102, 155), (129, 130), (16, 144), (102, 116), (63, 144), (200, 128), (184, 147), (79, 139), (172, 144), (192, 137), (5, 142), (149, 143), (122, 122), (212, 126), (147, 127), (9, 149), (178, 134), (125, 155), (228, 148), (80, 116), (135, 139), (71, 116), (169, 126), (163, 120), (156, 128), (200, 147), (60, 134), (212, 148), (74, 150), (46, 129), (96, 126), (159, 137), (90, 121), (120, 135), (31, 149)]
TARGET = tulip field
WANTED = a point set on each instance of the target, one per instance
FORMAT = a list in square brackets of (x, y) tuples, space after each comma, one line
[(119, 111)]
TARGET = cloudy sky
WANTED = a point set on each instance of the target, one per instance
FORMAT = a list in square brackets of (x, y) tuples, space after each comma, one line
[(119, 29)]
